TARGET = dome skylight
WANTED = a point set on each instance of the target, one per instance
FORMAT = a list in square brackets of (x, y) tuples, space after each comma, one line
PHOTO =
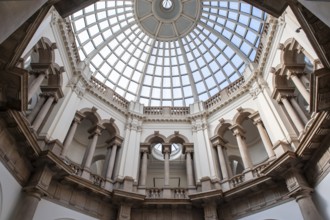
[(167, 4), (168, 58)]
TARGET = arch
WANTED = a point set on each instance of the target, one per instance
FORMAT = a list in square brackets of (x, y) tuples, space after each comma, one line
[(55, 77), (279, 79), (239, 167), (242, 114), (292, 53), (155, 138), (98, 157), (43, 52), (91, 114), (222, 127), (177, 138), (110, 126)]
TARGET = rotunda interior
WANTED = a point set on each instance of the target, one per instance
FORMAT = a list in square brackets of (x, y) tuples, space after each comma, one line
[(164, 109)]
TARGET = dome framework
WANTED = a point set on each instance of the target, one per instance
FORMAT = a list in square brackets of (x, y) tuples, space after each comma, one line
[(189, 54)]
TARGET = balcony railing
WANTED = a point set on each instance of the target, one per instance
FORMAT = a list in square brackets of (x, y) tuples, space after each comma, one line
[(157, 193), (169, 111)]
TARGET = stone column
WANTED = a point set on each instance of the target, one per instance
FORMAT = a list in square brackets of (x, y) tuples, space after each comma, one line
[(238, 132), (33, 191), (43, 112), (28, 205), (114, 143), (124, 212), (296, 120), (222, 160), (265, 138), (210, 211), (96, 132), (144, 166), (301, 87), (300, 190), (167, 152), (68, 140), (33, 88), (298, 109), (36, 109), (189, 167), (106, 162)]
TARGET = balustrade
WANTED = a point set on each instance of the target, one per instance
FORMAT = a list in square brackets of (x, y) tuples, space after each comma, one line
[(176, 193), (97, 180)]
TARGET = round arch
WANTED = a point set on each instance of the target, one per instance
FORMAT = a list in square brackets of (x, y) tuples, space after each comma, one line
[(242, 114), (222, 127), (91, 114)]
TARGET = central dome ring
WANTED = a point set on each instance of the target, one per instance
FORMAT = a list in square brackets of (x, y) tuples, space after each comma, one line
[(167, 20), (167, 15)]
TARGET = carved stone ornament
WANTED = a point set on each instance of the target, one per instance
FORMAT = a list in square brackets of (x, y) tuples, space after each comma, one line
[(320, 93)]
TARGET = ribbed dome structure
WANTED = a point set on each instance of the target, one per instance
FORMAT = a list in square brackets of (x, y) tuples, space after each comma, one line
[(168, 52)]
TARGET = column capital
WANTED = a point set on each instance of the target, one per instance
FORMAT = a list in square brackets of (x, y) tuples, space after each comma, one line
[(237, 130), (96, 130), (188, 148), (78, 117), (166, 148), (52, 91), (145, 147), (217, 140), (255, 117), (116, 140)]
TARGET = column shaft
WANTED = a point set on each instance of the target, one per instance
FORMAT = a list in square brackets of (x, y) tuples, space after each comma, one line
[(42, 113), (307, 207), (265, 139), (298, 109), (222, 160), (111, 161), (69, 138), (166, 169), (244, 152), (35, 85), (36, 109), (106, 162), (144, 167), (189, 169), (28, 206), (90, 151), (301, 88), (296, 120)]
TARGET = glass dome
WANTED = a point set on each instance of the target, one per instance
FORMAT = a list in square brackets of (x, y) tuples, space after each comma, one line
[(168, 52)]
